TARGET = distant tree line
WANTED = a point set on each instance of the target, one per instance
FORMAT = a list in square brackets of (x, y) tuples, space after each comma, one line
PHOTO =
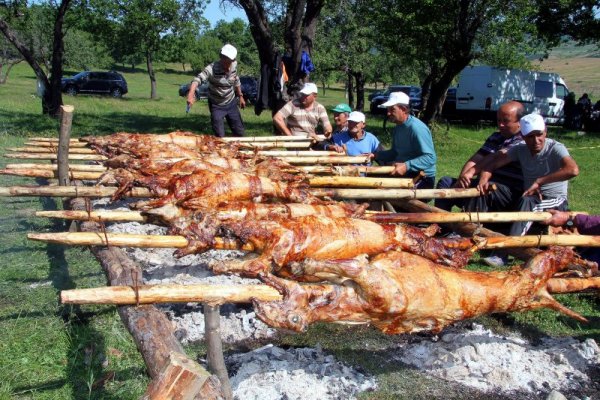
[(357, 42)]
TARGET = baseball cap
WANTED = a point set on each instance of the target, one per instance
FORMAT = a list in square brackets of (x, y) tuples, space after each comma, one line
[(396, 98), (342, 108), (308, 88), (532, 123), (356, 116), (229, 51)]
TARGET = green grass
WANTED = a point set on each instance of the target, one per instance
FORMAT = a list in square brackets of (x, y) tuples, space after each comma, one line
[(52, 352)]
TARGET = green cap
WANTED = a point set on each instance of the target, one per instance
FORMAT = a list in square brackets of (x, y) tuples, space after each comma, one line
[(342, 108)]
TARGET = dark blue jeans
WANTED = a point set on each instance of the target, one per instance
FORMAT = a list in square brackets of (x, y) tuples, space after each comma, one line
[(231, 113)]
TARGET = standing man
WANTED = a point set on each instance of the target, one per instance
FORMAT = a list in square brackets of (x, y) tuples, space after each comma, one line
[(223, 86), (412, 145), (546, 165), (508, 179), (300, 117)]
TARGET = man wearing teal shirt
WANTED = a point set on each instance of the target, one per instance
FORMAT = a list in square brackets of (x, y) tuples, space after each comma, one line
[(412, 145)]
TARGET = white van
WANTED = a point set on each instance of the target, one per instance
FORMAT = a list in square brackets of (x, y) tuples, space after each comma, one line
[(483, 89)]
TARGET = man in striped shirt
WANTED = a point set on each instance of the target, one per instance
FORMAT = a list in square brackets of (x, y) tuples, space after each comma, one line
[(300, 117), (223, 86)]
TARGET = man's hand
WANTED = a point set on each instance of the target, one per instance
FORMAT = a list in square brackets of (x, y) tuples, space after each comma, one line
[(463, 181), (534, 190), (399, 169), (242, 102), (335, 147), (483, 186), (191, 96), (558, 218)]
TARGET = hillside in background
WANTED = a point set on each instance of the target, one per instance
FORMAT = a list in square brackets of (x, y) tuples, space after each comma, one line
[(578, 65)]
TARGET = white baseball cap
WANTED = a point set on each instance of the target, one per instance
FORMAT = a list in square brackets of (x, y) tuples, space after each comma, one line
[(229, 51), (308, 88), (532, 123), (396, 98), (356, 116)]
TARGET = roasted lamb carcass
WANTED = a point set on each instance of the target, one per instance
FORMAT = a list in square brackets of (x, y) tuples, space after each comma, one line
[(283, 241), (139, 143), (399, 292), (201, 226), (205, 189)]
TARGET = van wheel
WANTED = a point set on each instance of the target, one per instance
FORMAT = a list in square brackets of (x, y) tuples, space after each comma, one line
[(71, 91), (116, 93)]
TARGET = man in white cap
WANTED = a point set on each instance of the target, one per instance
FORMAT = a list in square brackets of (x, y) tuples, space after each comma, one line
[(355, 141), (412, 148), (300, 117), (223, 86), (547, 167)]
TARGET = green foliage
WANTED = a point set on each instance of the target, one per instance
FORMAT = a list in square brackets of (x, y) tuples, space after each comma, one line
[(82, 51)]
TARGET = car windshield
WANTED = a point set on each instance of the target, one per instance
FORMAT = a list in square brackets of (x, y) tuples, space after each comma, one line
[(79, 75)]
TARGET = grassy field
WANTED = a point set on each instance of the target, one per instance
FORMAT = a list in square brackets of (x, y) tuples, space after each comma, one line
[(53, 352)]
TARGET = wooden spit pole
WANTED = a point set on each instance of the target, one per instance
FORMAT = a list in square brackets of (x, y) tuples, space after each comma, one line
[(340, 170), (357, 194), (52, 145), (53, 167), (407, 218), (227, 139), (319, 181), (221, 294), (50, 150), (175, 241)]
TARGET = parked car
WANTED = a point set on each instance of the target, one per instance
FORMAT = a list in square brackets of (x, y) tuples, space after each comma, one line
[(111, 83), (249, 89), (374, 94), (413, 92)]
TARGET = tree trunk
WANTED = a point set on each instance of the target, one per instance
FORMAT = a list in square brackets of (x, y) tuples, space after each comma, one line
[(54, 96), (151, 74), (9, 65), (439, 86), (360, 90), (350, 89), (299, 31)]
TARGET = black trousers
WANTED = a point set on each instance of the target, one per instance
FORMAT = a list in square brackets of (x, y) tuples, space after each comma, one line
[(231, 113)]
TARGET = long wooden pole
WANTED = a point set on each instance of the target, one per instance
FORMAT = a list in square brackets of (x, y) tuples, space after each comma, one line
[(461, 217), (358, 194), (174, 241), (53, 167), (150, 294), (50, 150), (52, 145), (407, 218), (222, 294), (50, 156), (333, 181), (340, 170), (227, 139)]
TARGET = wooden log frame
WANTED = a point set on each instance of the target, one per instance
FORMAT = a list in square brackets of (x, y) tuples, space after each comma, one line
[(174, 375)]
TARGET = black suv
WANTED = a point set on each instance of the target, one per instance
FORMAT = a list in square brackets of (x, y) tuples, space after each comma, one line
[(111, 83), (249, 89)]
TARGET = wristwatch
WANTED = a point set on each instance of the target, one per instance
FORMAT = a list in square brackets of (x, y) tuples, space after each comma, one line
[(570, 223)]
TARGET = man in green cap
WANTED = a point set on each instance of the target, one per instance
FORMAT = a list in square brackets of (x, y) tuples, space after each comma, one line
[(340, 117)]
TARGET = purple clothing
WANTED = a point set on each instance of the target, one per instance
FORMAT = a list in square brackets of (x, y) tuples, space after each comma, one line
[(587, 224)]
